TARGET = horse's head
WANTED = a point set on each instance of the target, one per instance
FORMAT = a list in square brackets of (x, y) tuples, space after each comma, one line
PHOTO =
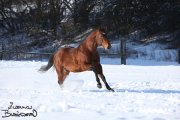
[(102, 39)]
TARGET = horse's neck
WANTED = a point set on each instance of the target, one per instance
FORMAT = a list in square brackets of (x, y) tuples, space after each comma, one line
[(89, 44)]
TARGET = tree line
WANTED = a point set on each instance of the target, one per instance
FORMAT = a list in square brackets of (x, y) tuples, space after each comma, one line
[(78, 15)]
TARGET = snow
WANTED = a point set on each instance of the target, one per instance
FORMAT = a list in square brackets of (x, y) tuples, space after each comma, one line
[(148, 51), (144, 90)]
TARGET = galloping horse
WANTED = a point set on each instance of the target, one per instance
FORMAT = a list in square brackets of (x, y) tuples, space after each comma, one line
[(83, 58)]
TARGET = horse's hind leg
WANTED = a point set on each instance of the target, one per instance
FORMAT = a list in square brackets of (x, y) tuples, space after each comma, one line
[(62, 74), (100, 74)]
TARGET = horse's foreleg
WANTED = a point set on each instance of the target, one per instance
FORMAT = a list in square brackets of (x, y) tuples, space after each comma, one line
[(93, 68), (100, 74), (106, 84), (97, 79)]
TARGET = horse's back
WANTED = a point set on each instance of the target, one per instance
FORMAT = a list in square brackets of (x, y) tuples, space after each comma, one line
[(69, 50), (64, 53)]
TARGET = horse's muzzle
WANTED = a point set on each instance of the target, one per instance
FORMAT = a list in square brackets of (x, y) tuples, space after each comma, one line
[(109, 46)]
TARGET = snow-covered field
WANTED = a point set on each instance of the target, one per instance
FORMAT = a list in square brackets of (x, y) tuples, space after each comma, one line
[(145, 90)]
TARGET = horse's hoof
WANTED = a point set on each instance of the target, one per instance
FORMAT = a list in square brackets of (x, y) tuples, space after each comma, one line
[(61, 86), (99, 86), (110, 89)]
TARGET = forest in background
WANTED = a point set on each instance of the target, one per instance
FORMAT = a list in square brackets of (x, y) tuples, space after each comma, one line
[(41, 22)]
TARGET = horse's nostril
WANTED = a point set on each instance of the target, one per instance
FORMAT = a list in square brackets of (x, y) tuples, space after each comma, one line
[(109, 46)]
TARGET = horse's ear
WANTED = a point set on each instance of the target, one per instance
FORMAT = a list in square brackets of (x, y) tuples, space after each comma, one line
[(101, 29)]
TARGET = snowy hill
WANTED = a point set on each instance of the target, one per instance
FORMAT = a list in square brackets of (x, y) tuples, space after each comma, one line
[(157, 47)]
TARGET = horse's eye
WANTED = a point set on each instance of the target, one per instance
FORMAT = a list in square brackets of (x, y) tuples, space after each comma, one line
[(104, 34)]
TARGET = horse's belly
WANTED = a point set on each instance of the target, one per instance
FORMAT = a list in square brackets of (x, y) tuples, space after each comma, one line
[(74, 68), (77, 67)]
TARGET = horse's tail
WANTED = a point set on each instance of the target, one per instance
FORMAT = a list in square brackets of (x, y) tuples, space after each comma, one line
[(49, 65)]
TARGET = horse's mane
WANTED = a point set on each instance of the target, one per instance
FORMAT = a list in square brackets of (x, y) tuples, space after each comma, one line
[(87, 39)]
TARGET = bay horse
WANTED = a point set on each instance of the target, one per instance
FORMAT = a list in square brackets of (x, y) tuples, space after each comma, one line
[(83, 58)]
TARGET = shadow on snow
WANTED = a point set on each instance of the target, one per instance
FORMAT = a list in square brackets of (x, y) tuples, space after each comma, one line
[(158, 91)]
